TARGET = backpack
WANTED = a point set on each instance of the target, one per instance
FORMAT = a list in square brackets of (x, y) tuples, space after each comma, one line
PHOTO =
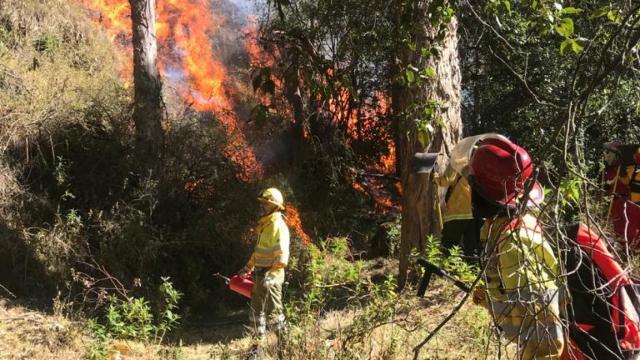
[(604, 321)]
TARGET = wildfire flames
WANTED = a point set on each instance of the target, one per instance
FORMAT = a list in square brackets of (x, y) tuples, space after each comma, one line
[(186, 57), (293, 220), (363, 123), (184, 31)]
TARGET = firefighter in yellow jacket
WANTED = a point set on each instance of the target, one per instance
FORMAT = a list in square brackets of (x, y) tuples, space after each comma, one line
[(268, 261), (460, 226), (521, 265)]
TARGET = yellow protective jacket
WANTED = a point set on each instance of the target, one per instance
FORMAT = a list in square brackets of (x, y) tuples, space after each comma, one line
[(459, 201), (272, 248), (520, 259), (520, 278)]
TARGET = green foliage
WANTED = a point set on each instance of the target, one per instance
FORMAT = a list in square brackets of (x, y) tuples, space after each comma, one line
[(570, 190), (525, 86), (393, 234), (327, 271), (331, 280), (454, 263), (98, 348), (133, 319)]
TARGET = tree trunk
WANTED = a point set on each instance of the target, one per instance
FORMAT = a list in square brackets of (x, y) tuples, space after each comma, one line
[(147, 113), (294, 97), (418, 201)]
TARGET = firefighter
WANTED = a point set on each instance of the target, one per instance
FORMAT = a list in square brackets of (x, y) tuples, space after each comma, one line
[(460, 226), (521, 266), (268, 261), (622, 180)]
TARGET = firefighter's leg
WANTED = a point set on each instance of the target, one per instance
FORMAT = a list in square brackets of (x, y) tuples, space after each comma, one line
[(471, 239), (545, 342), (275, 313), (258, 306), (273, 304), (452, 233)]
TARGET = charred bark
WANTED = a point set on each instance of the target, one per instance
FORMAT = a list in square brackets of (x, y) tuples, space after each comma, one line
[(419, 195), (147, 113)]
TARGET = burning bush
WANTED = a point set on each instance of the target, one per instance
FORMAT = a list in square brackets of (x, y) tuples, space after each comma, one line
[(72, 192)]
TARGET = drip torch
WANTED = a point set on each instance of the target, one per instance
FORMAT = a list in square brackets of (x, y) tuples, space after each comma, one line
[(241, 284)]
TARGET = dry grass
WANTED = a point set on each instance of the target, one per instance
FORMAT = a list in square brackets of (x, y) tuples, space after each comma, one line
[(28, 334), (55, 67)]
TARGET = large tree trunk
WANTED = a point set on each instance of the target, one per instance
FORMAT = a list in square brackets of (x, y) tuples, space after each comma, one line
[(147, 113), (418, 201)]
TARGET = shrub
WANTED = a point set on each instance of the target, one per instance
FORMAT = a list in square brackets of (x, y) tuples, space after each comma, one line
[(132, 318)]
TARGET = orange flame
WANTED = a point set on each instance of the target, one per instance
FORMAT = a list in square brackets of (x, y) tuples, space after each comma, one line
[(257, 57), (184, 29), (293, 220), (364, 123)]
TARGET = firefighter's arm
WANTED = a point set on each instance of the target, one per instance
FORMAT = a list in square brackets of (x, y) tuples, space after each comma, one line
[(282, 257), (447, 178), (250, 264), (511, 263)]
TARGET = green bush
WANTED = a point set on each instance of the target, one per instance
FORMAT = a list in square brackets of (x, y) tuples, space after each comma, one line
[(326, 275), (454, 263), (132, 318)]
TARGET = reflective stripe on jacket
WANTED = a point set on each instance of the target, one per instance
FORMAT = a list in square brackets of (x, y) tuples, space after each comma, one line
[(272, 248)]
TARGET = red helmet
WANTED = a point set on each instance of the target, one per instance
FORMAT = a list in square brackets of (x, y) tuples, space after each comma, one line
[(499, 170)]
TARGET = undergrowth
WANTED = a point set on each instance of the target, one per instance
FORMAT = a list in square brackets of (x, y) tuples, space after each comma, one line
[(132, 318)]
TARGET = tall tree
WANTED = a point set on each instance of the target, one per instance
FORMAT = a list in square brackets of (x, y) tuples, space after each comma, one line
[(147, 113), (425, 99)]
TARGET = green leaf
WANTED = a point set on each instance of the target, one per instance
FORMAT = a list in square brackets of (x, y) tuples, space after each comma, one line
[(599, 12), (570, 10), (576, 47), (430, 72), (507, 5), (423, 138), (565, 28), (614, 16), (410, 75), (564, 45)]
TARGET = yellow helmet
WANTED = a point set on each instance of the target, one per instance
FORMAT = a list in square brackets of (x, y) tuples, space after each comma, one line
[(273, 196)]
